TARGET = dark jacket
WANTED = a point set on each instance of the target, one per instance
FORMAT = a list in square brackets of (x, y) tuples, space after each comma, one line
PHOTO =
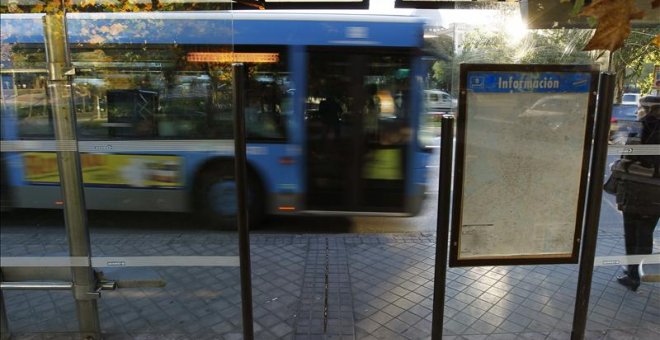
[(638, 184)]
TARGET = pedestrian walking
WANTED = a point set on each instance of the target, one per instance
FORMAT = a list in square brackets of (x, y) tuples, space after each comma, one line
[(637, 191)]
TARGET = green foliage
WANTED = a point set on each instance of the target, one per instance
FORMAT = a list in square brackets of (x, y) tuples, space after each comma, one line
[(486, 45), (577, 6), (494, 45), (646, 83), (560, 46), (57, 6), (633, 63), (441, 74), (442, 48)]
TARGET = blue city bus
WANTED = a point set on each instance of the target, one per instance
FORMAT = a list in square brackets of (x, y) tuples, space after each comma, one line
[(333, 111)]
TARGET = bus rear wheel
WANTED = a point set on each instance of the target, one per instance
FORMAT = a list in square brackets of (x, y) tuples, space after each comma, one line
[(216, 198)]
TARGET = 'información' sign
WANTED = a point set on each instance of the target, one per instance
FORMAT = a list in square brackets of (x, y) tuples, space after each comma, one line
[(507, 82), (521, 163)]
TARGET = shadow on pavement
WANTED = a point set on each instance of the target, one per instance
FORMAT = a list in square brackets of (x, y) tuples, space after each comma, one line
[(170, 222)]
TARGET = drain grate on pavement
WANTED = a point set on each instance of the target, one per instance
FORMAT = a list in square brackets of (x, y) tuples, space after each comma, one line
[(326, 303)]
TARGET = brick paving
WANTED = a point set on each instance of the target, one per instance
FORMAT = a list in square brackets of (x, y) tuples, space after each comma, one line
[(339, 286)]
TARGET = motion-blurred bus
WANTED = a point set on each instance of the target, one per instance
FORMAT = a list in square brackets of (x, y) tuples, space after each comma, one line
[(333, 106)]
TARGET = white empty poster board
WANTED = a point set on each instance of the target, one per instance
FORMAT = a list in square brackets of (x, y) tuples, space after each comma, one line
[(523, 141)]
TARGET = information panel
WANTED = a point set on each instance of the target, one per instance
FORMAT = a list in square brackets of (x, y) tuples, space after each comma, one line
[(523, 141)]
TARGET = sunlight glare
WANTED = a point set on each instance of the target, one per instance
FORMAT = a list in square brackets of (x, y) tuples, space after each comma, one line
[(516, 29)]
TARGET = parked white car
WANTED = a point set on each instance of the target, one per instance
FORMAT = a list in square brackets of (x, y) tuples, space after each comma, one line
[(437, 100), (630, 98)]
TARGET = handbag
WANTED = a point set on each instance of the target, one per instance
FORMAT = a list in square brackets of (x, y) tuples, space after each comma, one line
[(617, 168), (636, 186), (611, 184)]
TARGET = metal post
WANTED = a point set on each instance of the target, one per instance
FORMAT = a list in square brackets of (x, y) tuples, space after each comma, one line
[(240, 169), (4, 323), (40, 285), (442, 227), (594, 195), (68, 161)]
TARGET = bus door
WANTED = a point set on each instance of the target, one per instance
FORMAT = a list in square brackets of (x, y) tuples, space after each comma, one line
[(357, 133)]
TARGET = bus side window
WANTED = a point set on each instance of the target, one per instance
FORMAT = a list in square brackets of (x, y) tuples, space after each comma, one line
[(268, 106), (89, 105), (25, 98), (131, 113), (186, 107)]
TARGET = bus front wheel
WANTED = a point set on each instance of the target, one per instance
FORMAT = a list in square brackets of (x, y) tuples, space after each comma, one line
[(216, 197)]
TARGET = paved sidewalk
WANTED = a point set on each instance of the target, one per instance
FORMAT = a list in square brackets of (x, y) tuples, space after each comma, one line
[(347, 286)]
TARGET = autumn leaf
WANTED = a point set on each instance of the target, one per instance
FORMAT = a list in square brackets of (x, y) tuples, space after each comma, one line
[(656, 40), (90, 3), (613, 23)]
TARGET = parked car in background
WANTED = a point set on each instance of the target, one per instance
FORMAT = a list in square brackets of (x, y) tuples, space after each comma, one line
[(555, 112), (437, 100), (624, 124), (630, 99)]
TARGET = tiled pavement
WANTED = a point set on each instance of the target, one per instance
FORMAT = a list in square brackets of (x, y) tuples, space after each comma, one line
[(341, 286)]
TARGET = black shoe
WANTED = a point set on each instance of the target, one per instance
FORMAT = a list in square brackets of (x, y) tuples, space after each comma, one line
[(628, 282)]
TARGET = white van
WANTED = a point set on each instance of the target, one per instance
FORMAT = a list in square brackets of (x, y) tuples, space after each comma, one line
[(437, 100)]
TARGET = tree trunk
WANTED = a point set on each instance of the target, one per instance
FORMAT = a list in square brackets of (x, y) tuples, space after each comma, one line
[(619, 81)]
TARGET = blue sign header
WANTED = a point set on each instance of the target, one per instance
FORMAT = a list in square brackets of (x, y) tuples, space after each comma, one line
[(528, 82)]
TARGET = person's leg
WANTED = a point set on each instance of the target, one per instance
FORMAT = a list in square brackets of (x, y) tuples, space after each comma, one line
[(630, 237), (641, 228), (645, 228), (638, 234)]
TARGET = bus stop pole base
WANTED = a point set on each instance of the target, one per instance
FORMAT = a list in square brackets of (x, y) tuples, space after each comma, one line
[(89, 327)]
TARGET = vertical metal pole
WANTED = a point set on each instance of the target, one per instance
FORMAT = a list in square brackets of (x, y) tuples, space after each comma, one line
[(442, 227), (594, 197), (68, 161), (4, 323), (240, 169)]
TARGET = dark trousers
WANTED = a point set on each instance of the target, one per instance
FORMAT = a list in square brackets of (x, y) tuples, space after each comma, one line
[(638, 232)]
